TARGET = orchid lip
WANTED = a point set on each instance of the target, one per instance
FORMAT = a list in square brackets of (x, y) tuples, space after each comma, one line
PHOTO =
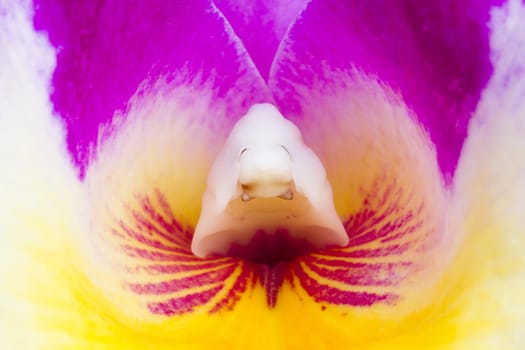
[(267, 197)]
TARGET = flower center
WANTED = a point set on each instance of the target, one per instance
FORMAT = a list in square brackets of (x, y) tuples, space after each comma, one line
[(267, 197)]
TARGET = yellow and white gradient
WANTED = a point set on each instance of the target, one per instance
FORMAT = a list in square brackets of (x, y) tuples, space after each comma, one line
[(60, 272)]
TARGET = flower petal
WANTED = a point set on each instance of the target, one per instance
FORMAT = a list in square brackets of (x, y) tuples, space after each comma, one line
[(108, 51), (48, 299), (489, 274), (40, 190), (388, 117), (163, 85), (388, 188), (434, 54), (261, 25)]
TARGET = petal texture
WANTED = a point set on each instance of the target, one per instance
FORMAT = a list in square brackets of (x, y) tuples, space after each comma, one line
[(107, 51), (261, 25), (488, 296), (105, 263), (435, 55)]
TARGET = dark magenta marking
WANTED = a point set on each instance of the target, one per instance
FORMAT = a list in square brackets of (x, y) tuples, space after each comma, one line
[(396, 249), (169, 227), (324, 293), (374, 221), (181, 267), (272, 278), (147, 241), (185, 304), (180, 284), (326, 260), (143, 224), (384, 231), (270, 249), (408, 230), (271, 259), (236, 291), (164, 205), (135, 252), (358, 224), (386, 274)]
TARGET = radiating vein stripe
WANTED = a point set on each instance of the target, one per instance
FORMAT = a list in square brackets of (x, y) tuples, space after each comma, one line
[(177, 268), (237, 289), (396, 249), (390, 274), (174, 226), (159, 246), (143, 224), (388, 234), (184, 283), (328, 294), (135, 252), (139, 238), (184, 304)]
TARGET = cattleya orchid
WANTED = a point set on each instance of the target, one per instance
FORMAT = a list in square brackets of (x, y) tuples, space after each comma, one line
[(262, 174)]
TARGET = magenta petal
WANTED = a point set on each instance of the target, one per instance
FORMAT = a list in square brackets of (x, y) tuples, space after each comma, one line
[(434, 53), (106, 49), (261, 24)]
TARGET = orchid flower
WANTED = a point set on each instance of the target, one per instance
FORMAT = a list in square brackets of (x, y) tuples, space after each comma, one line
[(304, 174)]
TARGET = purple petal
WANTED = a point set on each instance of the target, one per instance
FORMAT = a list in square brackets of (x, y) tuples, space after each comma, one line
[(107, 50), (261, 24), (434, 53)]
